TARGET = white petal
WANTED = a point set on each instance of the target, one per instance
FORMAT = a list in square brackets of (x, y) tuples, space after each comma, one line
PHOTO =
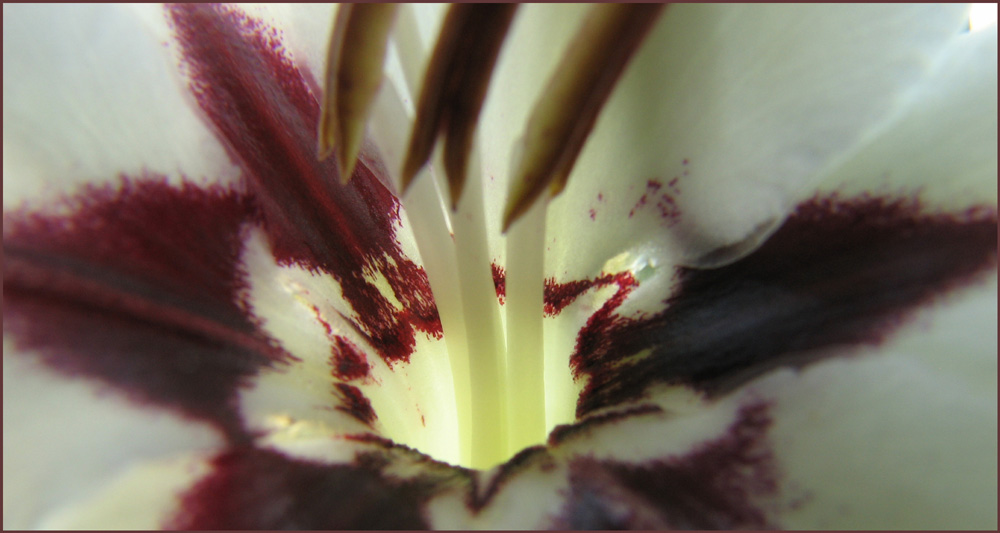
[(93, 91), (142, 496), (944, 142), (65, 440), (757, 100), (902, 437)]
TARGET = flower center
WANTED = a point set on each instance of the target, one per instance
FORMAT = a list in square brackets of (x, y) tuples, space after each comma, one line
[(496, 352)]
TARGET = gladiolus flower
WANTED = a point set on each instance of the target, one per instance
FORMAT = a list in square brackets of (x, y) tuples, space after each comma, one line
[(766, 296)]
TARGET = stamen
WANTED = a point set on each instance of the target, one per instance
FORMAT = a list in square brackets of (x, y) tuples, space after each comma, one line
[(437, 249), (454, 88), (568, 108), (525, 334), (484, 329), (353, 75)]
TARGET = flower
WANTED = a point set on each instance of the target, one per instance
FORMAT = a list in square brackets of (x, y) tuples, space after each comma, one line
[(204, 329)]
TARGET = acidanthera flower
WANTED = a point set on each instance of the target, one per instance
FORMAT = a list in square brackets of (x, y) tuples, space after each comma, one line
[(766, 296)]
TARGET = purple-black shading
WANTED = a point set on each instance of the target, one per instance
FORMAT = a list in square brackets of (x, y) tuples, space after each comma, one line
[(837, 273), (140, 288), (264, 110), (716, 486), (253, 489)]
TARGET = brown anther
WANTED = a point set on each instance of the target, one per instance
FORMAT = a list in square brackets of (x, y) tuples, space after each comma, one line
[(566, 112), (454, 89), (353, 76)]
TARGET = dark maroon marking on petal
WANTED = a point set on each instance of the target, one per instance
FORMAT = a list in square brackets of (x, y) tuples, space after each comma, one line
[(140, 287), (562, 432), (499, 282), (255, 489), (717, 486), (264, 110), (348, 361), (354, 403), (837, 273), (593, 214), (559, 295)]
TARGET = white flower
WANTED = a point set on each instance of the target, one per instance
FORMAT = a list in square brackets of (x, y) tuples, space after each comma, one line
[(203, 329)]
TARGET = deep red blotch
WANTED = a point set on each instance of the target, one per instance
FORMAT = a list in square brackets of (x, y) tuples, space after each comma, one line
[(140, 287), (265, 111)]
